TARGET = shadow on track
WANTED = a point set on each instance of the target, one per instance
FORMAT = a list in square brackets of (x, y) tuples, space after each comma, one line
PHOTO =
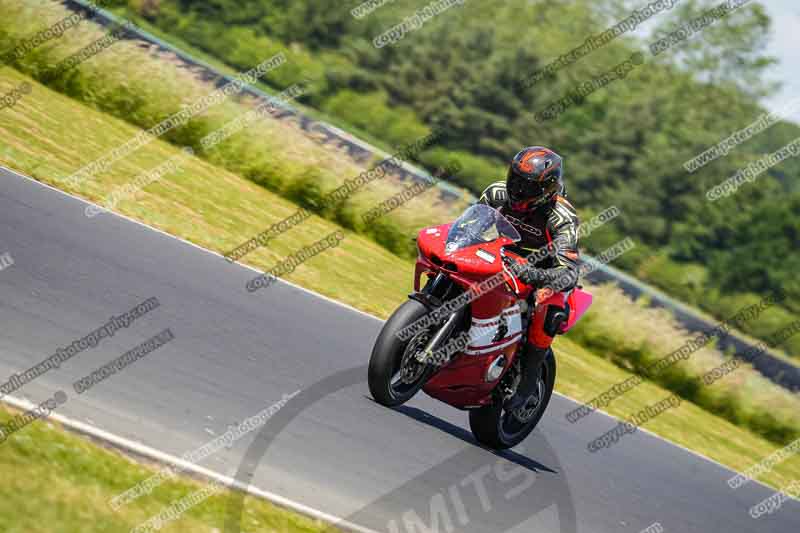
[(460, 433), (473, 490)]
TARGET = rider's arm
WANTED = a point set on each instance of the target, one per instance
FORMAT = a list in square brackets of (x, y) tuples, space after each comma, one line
[(562, 228), (563, 276), (494, 195)]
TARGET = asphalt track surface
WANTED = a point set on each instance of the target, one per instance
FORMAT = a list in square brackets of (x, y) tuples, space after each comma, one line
[(331, 447)]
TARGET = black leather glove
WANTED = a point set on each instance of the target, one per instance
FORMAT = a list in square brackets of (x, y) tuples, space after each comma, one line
[(532, 276)]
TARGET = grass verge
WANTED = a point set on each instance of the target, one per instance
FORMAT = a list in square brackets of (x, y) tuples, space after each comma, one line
[(58, 482)]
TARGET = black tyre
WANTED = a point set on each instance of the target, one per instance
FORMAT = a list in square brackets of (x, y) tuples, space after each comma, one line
[(497, 428), (395, 375)]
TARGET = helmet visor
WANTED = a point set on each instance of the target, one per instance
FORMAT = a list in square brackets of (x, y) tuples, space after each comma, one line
[(522, 190)]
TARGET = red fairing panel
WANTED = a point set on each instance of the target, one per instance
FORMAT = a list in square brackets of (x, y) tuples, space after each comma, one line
[(579, 302), (496, 327), (496, 330)]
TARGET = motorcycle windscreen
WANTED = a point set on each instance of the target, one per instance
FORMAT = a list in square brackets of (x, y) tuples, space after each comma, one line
[(480, 224)]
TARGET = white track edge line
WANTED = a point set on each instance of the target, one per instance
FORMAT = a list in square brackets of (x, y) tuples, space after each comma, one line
[(181, 239), (163, 457), (322, 296)]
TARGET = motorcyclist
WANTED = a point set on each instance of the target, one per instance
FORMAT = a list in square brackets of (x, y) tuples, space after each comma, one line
[(533, 200)]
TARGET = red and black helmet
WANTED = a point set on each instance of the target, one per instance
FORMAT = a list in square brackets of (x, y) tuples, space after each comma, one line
[(534, 178)]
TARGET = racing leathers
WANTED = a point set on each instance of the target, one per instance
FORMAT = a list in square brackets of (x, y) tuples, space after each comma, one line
[(550, 243)]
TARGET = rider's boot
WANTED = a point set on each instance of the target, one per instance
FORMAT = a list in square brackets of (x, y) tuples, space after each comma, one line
[(532, 359)]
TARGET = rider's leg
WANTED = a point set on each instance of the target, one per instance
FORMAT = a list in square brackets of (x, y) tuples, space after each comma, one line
[(540, 336)]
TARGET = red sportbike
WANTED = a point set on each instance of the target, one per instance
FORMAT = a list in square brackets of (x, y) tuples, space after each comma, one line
[(458, 337)]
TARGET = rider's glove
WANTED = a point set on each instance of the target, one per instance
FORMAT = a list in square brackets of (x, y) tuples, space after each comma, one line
[(532, 276)]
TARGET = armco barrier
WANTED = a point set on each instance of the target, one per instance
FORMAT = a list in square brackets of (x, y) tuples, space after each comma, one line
[(775, 369)]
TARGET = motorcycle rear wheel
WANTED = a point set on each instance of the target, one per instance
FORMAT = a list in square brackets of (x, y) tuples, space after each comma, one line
[(497, 428), (394, 375)]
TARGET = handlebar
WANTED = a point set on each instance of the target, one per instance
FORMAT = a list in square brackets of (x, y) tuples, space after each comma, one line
[(510, 261), (512, 258)]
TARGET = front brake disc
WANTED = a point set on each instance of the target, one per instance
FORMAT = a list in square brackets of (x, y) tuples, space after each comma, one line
[(410, 368)]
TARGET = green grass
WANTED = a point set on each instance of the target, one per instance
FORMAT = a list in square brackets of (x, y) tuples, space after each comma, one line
[(48, 135), (57, 482)]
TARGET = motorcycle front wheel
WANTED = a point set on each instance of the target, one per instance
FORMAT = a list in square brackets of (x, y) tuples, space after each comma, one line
[(497, 428), (395, 375)]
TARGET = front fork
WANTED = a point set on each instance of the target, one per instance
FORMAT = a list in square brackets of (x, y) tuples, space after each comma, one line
[(434, 294), (441, 336), (439, 289)]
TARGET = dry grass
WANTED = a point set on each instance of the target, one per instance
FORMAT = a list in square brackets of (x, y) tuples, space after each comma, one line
[(633, 326)]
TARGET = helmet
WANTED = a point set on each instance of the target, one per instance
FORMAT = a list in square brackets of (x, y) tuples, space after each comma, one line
[(534, 178)]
